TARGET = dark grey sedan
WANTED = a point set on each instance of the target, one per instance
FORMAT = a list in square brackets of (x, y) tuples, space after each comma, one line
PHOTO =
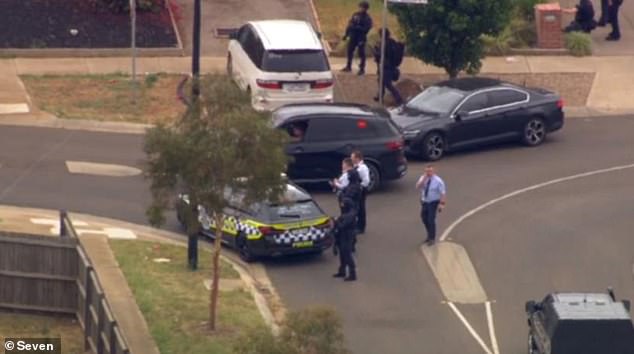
[(475, 111)]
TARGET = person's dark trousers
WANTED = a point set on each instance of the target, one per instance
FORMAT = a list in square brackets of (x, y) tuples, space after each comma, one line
[(388, 83), (361, 212), (614, 20), (604, 13), (352, 45), (428, 215), (345, 255)]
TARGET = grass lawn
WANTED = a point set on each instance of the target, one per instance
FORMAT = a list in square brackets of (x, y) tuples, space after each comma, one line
[(107, 97), (175, 302), (334, 16), (34, 326)]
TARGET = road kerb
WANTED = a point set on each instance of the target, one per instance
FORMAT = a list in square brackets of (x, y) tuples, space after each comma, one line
[(254, 276)]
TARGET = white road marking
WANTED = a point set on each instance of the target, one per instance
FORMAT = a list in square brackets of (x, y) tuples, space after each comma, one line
[(469, 327), (12, 108), (101, 169), (492, 336), (111, 232), (473, 211), (447, 232), (455, 273), (54, 223)]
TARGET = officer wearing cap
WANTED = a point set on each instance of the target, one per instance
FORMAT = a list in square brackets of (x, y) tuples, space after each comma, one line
[(357, 31)]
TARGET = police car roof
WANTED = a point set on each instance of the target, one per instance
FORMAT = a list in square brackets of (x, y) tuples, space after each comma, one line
[(580, 306), (342, 110), (287, 35)]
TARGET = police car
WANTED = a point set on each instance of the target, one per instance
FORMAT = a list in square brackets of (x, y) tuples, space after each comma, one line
[(295, 225)]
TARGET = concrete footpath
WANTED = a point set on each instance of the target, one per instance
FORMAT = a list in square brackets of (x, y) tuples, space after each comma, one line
[(610, 93), (94, 233)]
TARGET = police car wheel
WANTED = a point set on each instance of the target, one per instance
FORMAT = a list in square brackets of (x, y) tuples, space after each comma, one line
[(243, 249), (375, 177)]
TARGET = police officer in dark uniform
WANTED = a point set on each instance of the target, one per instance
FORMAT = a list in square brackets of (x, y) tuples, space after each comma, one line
[(390, 69), (613, 18), (344, 229), (357, 31)]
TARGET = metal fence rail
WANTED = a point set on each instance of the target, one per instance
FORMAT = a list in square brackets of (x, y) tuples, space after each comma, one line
[(54, 274)]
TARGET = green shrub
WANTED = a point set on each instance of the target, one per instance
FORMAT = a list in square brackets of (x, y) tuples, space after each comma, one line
[(151, 80), (120, 6), (311, 331), (578, 43), (525, 9)]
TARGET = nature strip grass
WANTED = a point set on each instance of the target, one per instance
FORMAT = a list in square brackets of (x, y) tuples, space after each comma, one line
[(111, 97), (21, 325), (175, 302)]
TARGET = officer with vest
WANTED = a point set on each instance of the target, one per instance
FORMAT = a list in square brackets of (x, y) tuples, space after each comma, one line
[(357, 31), (390, 69), (344, 229)]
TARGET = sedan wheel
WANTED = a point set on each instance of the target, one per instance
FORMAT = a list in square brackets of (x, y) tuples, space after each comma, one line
[(532, 348), (433, 147), (375, 177), (534, 132)]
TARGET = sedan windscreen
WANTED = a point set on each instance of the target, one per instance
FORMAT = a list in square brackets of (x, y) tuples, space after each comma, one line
[(282, 61), (306, 209), (436, 99)]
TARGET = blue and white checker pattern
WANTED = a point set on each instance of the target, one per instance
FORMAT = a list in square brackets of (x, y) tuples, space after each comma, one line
[(288, 237)]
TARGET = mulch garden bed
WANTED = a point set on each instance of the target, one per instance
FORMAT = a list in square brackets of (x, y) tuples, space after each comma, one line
[(48, 24), (574, 88)]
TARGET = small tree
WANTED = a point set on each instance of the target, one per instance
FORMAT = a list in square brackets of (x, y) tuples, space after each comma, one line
[(220, 142), (448, 33)]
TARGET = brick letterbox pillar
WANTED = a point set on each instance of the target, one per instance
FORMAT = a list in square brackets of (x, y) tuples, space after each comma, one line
[(548, 20)]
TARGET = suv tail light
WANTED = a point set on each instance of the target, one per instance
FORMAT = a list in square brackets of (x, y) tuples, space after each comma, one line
[(321, 84), (269, 84), (560, 103), (394, 145)]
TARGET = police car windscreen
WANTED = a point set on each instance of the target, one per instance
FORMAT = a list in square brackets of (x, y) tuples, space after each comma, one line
[(301, 210), (282, 61)]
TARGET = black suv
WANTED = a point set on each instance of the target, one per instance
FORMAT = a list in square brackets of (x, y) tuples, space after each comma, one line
[(323, 134), (580, 323)]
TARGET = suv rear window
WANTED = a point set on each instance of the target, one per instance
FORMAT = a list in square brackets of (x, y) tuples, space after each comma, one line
[(335, 129), (280, 61)]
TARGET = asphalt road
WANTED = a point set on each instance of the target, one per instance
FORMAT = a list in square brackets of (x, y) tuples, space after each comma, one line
[(572, 235)]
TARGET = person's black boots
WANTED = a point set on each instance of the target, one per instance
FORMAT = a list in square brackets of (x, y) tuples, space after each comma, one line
[(352, 276), (340, 273)]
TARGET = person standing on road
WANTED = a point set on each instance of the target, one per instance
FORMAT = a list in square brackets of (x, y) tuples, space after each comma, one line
[(357, 32), (343, 228), (364, 173), (613, 17), (605, 9), (393, 57), (433, 197)]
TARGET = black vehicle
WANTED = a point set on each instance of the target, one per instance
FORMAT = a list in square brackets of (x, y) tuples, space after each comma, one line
[(324, 134), (296, 224), (474, 111), (580, 323)]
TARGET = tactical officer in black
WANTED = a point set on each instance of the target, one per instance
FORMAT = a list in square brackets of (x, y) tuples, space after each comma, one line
[(357, 31), (344, 229), (390, 67)]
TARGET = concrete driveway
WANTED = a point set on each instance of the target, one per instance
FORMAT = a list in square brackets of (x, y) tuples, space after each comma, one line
[(232, 14), (566, 234)]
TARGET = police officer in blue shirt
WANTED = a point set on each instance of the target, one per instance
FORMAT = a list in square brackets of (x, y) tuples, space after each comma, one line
[(433, 197)]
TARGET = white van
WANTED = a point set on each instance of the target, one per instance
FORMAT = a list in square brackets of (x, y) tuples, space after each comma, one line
[(280, 62)]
